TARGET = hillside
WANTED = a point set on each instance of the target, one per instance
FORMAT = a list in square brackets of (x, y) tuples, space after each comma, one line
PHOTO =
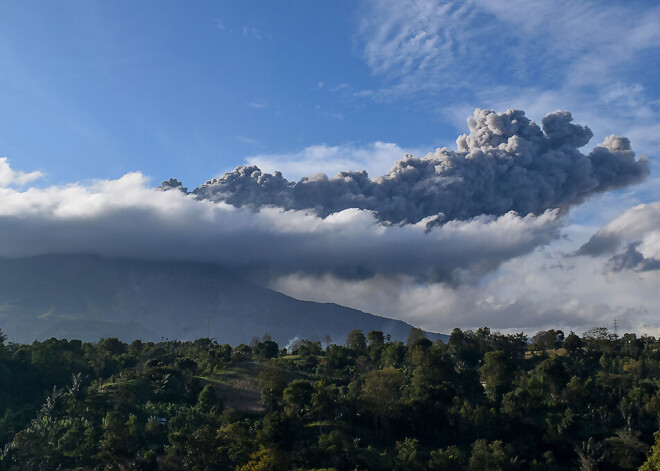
[(483, 402), (89, 297)]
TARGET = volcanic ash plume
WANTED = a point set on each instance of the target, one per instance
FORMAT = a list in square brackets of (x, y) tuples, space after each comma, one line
[(506, 163)]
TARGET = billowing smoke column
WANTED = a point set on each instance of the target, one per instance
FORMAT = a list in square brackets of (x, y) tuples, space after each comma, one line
[(505, 163), (173, 184)]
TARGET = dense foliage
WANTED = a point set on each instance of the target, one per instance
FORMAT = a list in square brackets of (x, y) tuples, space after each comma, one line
[(484, 401)]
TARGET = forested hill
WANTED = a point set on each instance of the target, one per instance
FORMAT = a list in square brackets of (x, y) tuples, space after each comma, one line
[(90, 297), (482, 402)]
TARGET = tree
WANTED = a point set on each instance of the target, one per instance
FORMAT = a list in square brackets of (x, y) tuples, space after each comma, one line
[(626, 450), (380, 395), (356, 341), (266, 349), (483, 333), (280, 430), (272, 382), (397, 410), (393, 354), (598, 339), (590, 453), (653, 461), (414, 336), (307, 348), (376, 345), (447, 459), (632, 346), (408, 455), (208, 400), (489, 456), (465, 347), (201, 451), (115, 444), (497, 373), (548, 339), (297, 397), (324, 401), (572, 343), (264, 459), (236, 441), (376, 338), (3, 338), (241, 352), (418, 353), (554, 374), (113, 345)]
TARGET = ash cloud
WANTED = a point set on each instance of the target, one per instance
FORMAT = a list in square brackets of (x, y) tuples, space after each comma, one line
[(449, 217), (505, 163), (126, 218), (173, 184)]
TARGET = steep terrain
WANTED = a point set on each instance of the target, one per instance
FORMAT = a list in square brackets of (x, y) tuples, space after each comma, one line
[(89, 297)]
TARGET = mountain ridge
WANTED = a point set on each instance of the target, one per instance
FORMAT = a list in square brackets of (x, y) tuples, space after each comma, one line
[(89, 296)]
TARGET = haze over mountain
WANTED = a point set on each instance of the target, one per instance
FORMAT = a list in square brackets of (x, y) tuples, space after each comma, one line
[(89, 297)]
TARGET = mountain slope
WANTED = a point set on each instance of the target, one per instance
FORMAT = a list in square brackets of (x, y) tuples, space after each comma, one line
[(88, 297)]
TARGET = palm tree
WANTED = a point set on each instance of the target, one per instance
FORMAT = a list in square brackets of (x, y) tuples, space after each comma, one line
[(590, 454)]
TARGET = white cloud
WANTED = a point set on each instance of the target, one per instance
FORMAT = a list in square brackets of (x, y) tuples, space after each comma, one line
[(8, 176), (126, 218), (412, 45), (351, 259), (258, 104), (251, 31), (341, 86), (633, 225), (537, 291), (423, 44), (376, 158), (249, 140), (632, 240), (363, 93)]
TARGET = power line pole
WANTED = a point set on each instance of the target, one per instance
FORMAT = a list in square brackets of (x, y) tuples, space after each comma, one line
[(615, 324)]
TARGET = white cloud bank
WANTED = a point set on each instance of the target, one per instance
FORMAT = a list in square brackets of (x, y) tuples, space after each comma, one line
[(127, 218), (541, 290), (484, 271)]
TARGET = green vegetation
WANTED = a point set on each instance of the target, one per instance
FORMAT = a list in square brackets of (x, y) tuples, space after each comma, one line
[(484, 401)]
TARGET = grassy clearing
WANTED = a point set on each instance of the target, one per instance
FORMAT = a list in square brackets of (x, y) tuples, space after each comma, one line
[(237, 386)]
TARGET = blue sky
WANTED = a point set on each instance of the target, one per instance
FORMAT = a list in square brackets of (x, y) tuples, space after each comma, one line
[(96, 89), (92, 91)]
